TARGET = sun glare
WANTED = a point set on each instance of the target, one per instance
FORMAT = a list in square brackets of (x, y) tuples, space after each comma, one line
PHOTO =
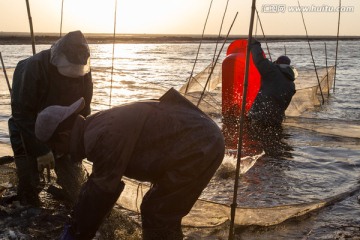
[(133, 16), (170, 17), (148, 16)]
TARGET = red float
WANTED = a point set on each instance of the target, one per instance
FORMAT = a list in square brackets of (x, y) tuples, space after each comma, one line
[(233, 73)]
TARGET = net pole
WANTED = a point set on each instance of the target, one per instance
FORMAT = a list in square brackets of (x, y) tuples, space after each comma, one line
[(327, 71), (113, 53), (337, 44), (222, 22), (241, 127), (6, 77), (312, 56), (256, 26), (262, 30), (61, 18), (31, 27), (197, 54), (217, 58)]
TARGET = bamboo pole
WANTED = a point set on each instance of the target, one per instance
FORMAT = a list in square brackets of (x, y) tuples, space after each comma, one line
[(31, 27), (307, 36), (222, 22), (327, 71), (337, 44), (256, 26), (62, 14), (241, 127), (113, 53), (214, 63), (197, 54), (6, 77), (262, 30)]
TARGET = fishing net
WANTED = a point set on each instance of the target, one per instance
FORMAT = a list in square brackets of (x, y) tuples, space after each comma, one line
[(204, 90), (350, 129), (210, 214), (309, 92), (312, 89)]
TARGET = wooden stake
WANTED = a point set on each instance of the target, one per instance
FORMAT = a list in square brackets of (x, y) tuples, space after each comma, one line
[(113, 53), (267, 46), (217, 40), (62, 13), (197, 54), (241, 127), (307, 36), (6, 77), (31, 27), (337, 44), (327, 72), (214, 62)]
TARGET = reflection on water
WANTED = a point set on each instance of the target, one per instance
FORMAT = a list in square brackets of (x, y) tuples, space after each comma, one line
[(256, 139), (315, 168)]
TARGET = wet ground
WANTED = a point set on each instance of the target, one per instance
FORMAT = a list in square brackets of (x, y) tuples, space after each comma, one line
[(47, 221)]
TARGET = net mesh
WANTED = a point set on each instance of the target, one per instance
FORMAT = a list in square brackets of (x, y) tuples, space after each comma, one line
[(309, 92), (206, 86), (210, 214), (206, 213)]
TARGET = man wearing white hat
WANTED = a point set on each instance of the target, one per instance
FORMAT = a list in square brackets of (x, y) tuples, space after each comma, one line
[(170, 143), (56, 76)]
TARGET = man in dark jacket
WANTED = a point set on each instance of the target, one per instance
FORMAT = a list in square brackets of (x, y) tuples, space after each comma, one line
[(268, 110), (59, 75), (170, 143), (276, 90)]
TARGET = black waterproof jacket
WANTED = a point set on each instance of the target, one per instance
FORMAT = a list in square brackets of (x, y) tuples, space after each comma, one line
[(36, 85), (276, 91)]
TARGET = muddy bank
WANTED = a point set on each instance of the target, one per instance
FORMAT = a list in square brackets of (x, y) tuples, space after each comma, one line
[(47, 220)]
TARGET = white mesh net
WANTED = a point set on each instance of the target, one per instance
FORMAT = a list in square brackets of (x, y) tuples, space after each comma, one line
[(308, 93), (210, 214)]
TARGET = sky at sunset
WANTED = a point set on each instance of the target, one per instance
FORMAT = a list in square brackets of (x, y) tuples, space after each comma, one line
[(278, 17)]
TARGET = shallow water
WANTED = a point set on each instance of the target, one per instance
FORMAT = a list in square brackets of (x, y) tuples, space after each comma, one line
[(316, 166)]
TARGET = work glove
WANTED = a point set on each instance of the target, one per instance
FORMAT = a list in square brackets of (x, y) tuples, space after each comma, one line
[(46, 161)]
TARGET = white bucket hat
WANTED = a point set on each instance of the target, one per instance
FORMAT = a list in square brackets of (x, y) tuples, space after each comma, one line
[(71, 55), (49, 119)]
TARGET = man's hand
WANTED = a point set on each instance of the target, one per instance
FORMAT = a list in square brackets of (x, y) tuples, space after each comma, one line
[(46, 161)]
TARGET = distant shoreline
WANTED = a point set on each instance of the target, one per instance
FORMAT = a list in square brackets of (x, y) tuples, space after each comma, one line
[(49, 38)]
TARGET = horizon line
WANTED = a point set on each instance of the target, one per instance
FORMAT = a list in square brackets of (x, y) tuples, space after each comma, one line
[(54, 34)]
